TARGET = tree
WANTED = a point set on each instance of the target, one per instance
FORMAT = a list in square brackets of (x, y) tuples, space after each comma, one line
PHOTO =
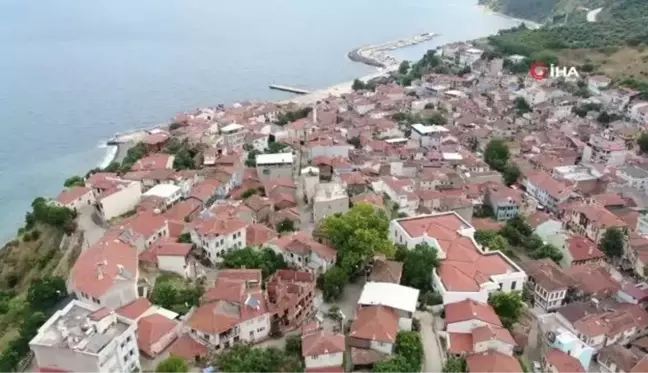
[(357, 236), (172, 364), (548, 251), (409, 346), (436, 119), (112, 167), (44, 293), (612, 243), (294, 345), (418, 265), (498, 243), (164, 294), (249, 193), (522, 106), (184, 238), (74, 181), (275, 147), (455, 365), (404, 67), (286, 225), (604, 118), (355, 141), (532, 242), (511, 174), (483, 237), (642, 141), (358, 85), (244, 358), (395, 364), (496, 154), (473, 144), (465, 70), (333, 282), (184, 160), (508, 306), (267, 260)]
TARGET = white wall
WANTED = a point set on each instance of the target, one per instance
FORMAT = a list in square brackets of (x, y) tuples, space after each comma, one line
[(325, 360), (83, 201), (176, 264), (122, 201), (465, 327), (384, 347), (217, 246), (494, 345)]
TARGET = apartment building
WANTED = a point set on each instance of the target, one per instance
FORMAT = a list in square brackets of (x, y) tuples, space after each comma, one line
[(548, 283), (274, 166), (86, 338), (330, 199), (234, 135)]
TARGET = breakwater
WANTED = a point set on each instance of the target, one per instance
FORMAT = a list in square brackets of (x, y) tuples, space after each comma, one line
[(376, 55)]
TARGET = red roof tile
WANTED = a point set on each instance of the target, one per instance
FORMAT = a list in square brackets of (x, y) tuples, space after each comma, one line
[(134, 309), (150, 329), (259, 234), (494, 362), (582, 248), (321, 343), (375, 323), (187, 348), (471, 310), (563, 362), (72, 194)]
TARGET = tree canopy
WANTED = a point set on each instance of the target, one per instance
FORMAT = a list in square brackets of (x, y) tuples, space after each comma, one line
[(409, 346), (508, 306), (50, 214), (244, 358), (511, 174), (455, 365), (286, 225), (417, 267), (642, 141), (171, 365), (496, 154), (332, 283), (175, 293), (267, 260), (44, 293), (612, 243), (74, 181)]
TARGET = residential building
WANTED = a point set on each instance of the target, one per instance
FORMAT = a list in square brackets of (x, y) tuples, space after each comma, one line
[(374, 328), (464, 316), (581, 251), (428, 136), (400, 298), (399, 191), (302, 251), (592, 221), (86, 338), (292, 295), (548, 191), (155, 333), (274, 166), (503, 201), (568, 343), (466, 271), (232, 311), (169, 256), (635, 176), (547, 283), (330, 199), (116, 197), (155, 161), (605, 149), (639, 112), (169, 193), (75, 198), (597, 83), (143, 229), (217, 236), (556, 361), (234, 135), (618, 359), (383, 270), (106, 273), (492, 361), (323, 349)]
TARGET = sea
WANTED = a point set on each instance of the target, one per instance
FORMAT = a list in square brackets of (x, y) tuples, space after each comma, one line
[(75, 72)]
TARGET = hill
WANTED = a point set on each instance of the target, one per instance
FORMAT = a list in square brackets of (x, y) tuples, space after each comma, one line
[(542, 10)]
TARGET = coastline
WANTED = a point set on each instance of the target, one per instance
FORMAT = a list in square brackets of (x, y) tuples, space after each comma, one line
[(531, 24)]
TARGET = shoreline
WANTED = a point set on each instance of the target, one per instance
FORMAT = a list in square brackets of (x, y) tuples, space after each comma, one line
[(531, 24)]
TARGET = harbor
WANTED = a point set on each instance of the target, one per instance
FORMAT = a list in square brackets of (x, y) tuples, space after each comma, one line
[(376, 55)]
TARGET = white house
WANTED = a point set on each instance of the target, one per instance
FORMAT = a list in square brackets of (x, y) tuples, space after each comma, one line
[(234, 135), (171, 256), (301, 251), (323, 349), (76, 198), (466, 271), (548, 191), (639, 112), (401, 298), (168, 192), (597, 83), (428, 136), (86, 338), (106, 274), (274, 166), (635, 176), (330, 199), (122, 197), (216, 236)]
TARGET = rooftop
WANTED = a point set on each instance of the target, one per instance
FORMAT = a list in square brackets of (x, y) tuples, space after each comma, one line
[(232, 127), (389, 295), (424, 130), (163, 190), (73, 328), (330, 191), (278, 158)]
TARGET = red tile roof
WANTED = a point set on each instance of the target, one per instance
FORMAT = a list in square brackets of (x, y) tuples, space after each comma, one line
[(322, 342), (212, 226), (460, 343), (168, 247), (302, 243), (471, 310), (258, 234), (582, 248), (187, 348), (563, 362), (494, 362), (146, 223), (490, 333), (72, 194), (150, 329), (152, 162), (325, 370), (134, 309), (375, 323), (99, 267)]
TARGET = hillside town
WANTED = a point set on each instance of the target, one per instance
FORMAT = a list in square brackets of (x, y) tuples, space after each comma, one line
[(471, 220)]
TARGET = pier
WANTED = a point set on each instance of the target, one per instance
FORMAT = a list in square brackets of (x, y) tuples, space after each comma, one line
[(375, 55), (286, 88)]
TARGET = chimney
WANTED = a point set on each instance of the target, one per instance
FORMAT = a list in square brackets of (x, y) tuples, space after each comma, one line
[(591, 249), (100, 271)]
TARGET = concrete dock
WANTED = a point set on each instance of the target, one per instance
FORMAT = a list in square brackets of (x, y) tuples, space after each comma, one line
[(374, 55), (289, 89)]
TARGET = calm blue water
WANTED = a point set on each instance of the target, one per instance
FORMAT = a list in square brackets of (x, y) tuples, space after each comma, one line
[(74, 72)]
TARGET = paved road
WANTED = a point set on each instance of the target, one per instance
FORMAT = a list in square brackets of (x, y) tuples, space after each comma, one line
[(591, 15), (89, 223), (433, 359)]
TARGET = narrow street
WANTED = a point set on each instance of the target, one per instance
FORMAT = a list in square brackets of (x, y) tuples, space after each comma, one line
[(433, 361), (91, 225)]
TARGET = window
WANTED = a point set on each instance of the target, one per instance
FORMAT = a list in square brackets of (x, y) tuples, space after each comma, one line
[(128, 339), (513, 285)]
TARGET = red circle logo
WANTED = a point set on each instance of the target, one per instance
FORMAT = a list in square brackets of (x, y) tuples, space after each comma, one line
[(539, 71)]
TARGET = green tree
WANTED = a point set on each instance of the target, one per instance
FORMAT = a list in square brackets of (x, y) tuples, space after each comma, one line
[(498, 243), (184, 160), (522, 106), (548, 251), (533, 242), (44, 293), (436, 119), (358, 235), (294, 345), (267, 260), (172, 364), (358, 85), (275, 147), (642, 141), (612, 243), (395, 364), (333, 282), (497, 154), (74, 181), (483, 237), (164, 294), (112, 167), (184, 238), (409, 346), (511, 174), (418, 265), (508, 306), (404, 67), (244, 358), (286, 225), (455, 365), (249, 193)]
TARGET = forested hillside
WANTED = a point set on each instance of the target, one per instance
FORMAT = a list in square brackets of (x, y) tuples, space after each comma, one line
[(542, 10)]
